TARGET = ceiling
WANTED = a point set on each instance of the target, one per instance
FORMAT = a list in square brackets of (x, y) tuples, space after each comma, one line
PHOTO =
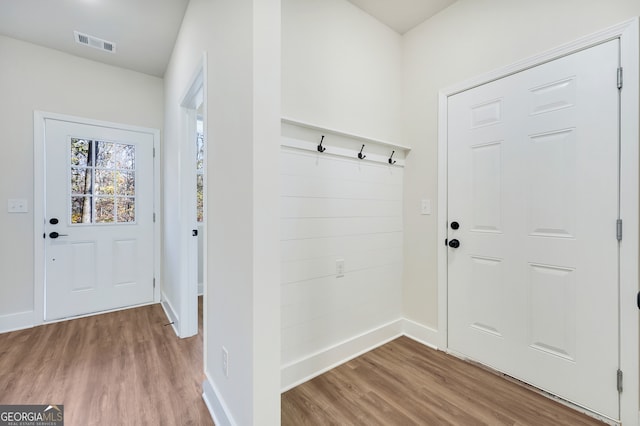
[(144, 31), (402, 15)]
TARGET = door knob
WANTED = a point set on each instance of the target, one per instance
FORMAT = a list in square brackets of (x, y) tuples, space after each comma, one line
[(454, 243), (53, 221), (455, 225), (194, 233), (55, 235)]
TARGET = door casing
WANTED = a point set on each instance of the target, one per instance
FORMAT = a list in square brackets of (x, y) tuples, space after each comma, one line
[(39, 118), (628, 33), (185, 317)]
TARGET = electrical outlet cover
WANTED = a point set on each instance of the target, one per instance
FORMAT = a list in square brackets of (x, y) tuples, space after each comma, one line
[(339, 268), (225, 361)]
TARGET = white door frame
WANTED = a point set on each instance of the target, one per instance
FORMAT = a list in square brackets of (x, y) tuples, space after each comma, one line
[(194, 96), (39, 163), (628, 33)]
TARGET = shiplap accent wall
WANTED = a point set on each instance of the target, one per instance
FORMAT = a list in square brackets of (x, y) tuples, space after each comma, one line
[(336, 207)]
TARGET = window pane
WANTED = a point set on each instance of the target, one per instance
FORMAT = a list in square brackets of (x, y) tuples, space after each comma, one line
[(200, 197), (80, 152), (104, 182), (126, 209), (200, 151), (81, 181), (104, 155), (111, 155), (124, 156), (125, 183), (81, 210), (104, 209), (199, 169)]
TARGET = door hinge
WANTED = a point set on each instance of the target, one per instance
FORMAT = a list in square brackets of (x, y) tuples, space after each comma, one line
[(154, 218), (154, 152), (619, 380), (154, 282), (619, 78), (619, 229)]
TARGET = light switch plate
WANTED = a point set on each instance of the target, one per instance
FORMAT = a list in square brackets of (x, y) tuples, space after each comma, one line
[(425, 207), (17, 205)]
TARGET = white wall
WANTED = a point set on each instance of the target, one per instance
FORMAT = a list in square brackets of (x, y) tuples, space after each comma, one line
[(467, 39), (242, 41), (336, 207), (37, 78), (340, 69)]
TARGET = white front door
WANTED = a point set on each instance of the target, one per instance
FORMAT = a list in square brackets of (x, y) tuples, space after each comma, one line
[(98, 218), (533, 191)]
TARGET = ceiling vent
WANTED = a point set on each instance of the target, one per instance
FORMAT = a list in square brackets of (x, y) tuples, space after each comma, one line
[(95, 42)]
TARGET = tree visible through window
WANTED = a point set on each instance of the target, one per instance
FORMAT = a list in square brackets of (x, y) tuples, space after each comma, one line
[(102, 182)]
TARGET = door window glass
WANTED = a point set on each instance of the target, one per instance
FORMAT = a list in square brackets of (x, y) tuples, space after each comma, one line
[(102, 182), (200, 169)]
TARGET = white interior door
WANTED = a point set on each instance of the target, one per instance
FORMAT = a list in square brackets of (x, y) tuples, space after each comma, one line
[(533, 187), (98, 218)]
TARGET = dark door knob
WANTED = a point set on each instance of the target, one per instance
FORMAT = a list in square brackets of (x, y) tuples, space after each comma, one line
[(454, 243), (54, 235), (194, 232), (53, 221), (455, 225)]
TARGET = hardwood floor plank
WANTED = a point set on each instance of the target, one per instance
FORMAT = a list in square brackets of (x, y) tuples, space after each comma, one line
[(124, 367), (406, 383)]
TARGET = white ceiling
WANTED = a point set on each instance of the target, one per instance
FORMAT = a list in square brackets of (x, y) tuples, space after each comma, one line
[(402, 15), (144, 31)]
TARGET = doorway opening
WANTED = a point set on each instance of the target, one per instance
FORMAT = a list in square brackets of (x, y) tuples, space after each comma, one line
[(193, 204)]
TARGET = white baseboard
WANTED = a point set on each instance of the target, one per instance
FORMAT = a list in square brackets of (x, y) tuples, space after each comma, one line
[(170, 313), (17, 321), (300, 371), (215, 404), (311, 366), (421, 333)]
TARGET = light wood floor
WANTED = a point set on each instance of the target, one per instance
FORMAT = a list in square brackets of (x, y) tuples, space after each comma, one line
[(119, 368), (127, 367), (406, 383)]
